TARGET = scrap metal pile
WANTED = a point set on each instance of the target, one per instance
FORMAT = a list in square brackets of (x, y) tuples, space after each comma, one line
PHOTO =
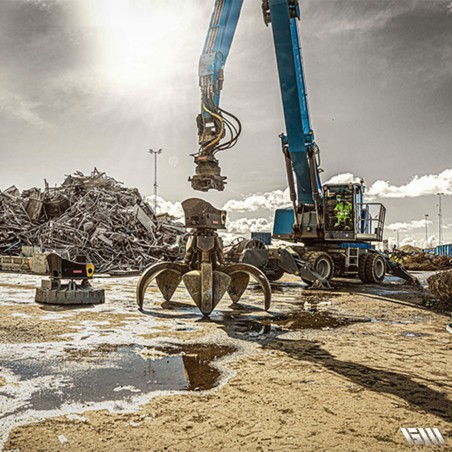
[(440, 285), (91, 217), (426, 262)]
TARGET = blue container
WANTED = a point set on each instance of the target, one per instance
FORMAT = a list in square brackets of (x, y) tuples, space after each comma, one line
[(444, 250), (265, 237), (283, 224)]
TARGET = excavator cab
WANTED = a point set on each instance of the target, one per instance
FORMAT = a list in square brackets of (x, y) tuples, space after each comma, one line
[(348, 217)]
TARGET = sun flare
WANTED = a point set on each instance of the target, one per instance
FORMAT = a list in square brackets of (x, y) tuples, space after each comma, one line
[(139, 42)]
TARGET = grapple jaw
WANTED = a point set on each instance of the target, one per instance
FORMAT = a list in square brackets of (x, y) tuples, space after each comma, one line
[(206, 276), (240, 276), (206, 287), (168, 276)]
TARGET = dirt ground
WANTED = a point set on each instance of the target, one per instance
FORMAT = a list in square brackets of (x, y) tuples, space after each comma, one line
[(342, 369)]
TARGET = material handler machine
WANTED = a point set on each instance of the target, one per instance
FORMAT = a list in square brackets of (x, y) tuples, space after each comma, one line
[(333, 223), (331, 226)]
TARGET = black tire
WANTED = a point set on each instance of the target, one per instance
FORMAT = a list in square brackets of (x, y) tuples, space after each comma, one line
[(278, 274), (322, 262), (362, 268), (375, 268)]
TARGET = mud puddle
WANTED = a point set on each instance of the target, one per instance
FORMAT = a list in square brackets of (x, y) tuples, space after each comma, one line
[(114, 373), (309, 319)]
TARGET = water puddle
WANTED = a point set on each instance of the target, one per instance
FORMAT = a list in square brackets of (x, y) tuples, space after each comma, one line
[(309, 319), (411, 334), (315, 320), (115, 372)]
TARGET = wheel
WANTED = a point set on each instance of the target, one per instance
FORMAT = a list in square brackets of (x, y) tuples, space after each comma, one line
[(322, 263), (255, 244), (278, 274), (375, 268), (362, 268)]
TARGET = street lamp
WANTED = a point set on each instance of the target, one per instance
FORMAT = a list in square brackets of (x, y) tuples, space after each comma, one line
[(426, 228), (155, 154), (440, 219)]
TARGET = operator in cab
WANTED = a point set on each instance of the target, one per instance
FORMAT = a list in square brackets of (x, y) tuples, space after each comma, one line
[(343, 212)]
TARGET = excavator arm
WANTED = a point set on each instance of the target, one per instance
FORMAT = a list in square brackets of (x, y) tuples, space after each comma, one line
[(218, 129), (299, 146)]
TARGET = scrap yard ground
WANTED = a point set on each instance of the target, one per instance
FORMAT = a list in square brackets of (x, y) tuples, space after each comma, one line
[(342, 369)]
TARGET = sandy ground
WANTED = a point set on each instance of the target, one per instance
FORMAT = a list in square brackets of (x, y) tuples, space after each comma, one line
[(323, 370)]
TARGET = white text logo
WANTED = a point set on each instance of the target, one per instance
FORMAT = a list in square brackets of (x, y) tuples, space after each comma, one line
[(423, 436)]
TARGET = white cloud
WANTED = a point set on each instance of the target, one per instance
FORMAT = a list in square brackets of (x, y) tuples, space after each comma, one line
[(172, 208), (410, 240), (418, 186), (416, 241), (246, 225), (408, 226), (345, 178), (430, 184), (270, 201)]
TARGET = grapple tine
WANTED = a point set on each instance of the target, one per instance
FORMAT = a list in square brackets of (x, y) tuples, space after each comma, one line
[(239, 283), (168, 281), (206, 305), (206, 287), (151, 273), (257, 274), (221, 282), (192, 281)]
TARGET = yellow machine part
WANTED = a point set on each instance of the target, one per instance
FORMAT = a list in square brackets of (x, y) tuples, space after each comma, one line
[(90, 270)]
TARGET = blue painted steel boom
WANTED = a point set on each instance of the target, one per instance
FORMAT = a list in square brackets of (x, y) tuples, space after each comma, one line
[(218, 130), (213, 122), (284, 16), (223, 24)]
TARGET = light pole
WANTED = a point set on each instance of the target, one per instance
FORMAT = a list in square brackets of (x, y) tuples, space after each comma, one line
[(398, 242), (426, 228), (440, 219), (155, 154)]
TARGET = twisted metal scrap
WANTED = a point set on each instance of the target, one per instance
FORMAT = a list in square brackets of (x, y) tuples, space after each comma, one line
[(94, 216)]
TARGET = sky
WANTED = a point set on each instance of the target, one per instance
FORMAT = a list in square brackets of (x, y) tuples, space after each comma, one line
[(97, 83)]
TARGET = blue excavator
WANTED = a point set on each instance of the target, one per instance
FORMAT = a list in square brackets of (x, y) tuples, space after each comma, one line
[(330, 226), (332, 223)]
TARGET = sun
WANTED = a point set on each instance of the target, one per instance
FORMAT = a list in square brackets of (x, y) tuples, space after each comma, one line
[(139, 42)]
